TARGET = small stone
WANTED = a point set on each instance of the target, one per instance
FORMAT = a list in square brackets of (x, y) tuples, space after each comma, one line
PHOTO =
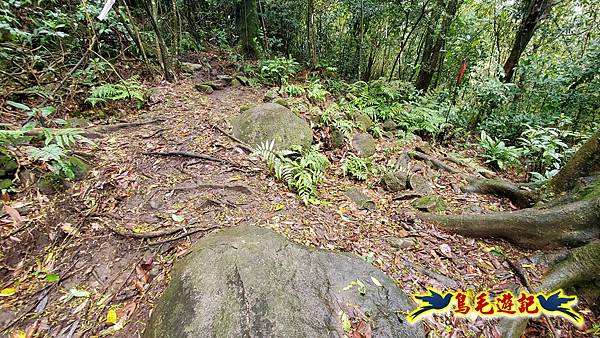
[(271, 95), (204, 88), (402, 243), (235, 83), (394, 181), (360, 199), (243, 80), (364, 144), (430, 203), (389, 125), (282, 102)]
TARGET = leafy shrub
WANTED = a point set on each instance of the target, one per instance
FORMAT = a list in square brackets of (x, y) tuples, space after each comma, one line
[(498, 153), (301, 169), (356, 167), (278, 69)]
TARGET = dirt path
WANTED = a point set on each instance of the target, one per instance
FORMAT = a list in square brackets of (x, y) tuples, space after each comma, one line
[(90, 230)]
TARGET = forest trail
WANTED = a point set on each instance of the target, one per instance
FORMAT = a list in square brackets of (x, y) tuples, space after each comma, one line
[(105, 229)]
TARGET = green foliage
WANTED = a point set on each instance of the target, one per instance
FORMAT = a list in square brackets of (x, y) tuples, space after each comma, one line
[(129, 89), (292, 89), (301, 169), (498, 153), (279, 69), (33, 112), (54, 151), (316, 92), (357, 167)]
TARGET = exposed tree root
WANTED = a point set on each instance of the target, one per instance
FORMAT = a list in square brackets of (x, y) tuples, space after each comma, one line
[(519, 197), (571, 225), (190, 155), (580, 266), (424, 157)]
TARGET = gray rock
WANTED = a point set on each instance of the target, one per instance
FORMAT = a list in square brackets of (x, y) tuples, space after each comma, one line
[(420, 184), (203, 88), (189, 67), (394, 181), (251, 282), (270, 121), (402, 243), (389, 125), (271, 95), (360, 199), (364, 144)]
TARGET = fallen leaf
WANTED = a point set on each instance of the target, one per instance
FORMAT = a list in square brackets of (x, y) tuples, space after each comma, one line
[(376, 281), (346, 324), (13, 213), (7, 292), (177, 218), (52, 277), (111, 317)]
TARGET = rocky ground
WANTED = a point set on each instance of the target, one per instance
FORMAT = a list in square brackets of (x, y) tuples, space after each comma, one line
[(108, 240)]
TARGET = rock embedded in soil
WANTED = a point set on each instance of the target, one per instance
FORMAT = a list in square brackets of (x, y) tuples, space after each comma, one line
[(363, 144), (203, 88), (251, 282), (394, 181), (271, 121), (360, 199), (430, 203), (402, 243)]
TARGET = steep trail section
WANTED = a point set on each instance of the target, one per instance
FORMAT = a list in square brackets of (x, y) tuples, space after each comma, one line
[(113, 237)]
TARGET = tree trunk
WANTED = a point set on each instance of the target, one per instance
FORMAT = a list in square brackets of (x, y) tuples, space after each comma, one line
[(533, 14), (248, 26), (167, 65), (585, 162), (310, 33), (428, 68)]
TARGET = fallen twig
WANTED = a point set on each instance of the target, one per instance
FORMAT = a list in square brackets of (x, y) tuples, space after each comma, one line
[(154, 133), (145, 235), (241, 143), (117, 126), (191, 155), (236, 187)]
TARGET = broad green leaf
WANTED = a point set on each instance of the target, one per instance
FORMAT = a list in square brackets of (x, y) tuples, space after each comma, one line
[(18, 105)]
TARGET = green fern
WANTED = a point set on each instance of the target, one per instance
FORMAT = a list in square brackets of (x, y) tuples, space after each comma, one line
[(66, 137), (302, 170), (357, 167), (129, 89)]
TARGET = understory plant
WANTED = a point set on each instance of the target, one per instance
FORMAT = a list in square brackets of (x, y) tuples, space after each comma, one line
[(497, 153), (130, 89), (301, 169), (357, 167)]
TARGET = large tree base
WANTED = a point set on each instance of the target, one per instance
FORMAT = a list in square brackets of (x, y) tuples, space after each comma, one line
[(580, 266)]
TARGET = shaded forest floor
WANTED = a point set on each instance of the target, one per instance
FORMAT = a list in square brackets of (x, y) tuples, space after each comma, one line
[(75, 233)]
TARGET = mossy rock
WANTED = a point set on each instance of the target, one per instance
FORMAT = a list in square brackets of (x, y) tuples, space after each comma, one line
[(271, 121), (51, 183), (394, 181), (204, 88), (8, 165), (430, 203), (271, 95), (362, 121)]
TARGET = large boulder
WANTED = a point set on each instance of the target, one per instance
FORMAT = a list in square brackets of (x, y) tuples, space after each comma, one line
[(271, 121), (251, 282)]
